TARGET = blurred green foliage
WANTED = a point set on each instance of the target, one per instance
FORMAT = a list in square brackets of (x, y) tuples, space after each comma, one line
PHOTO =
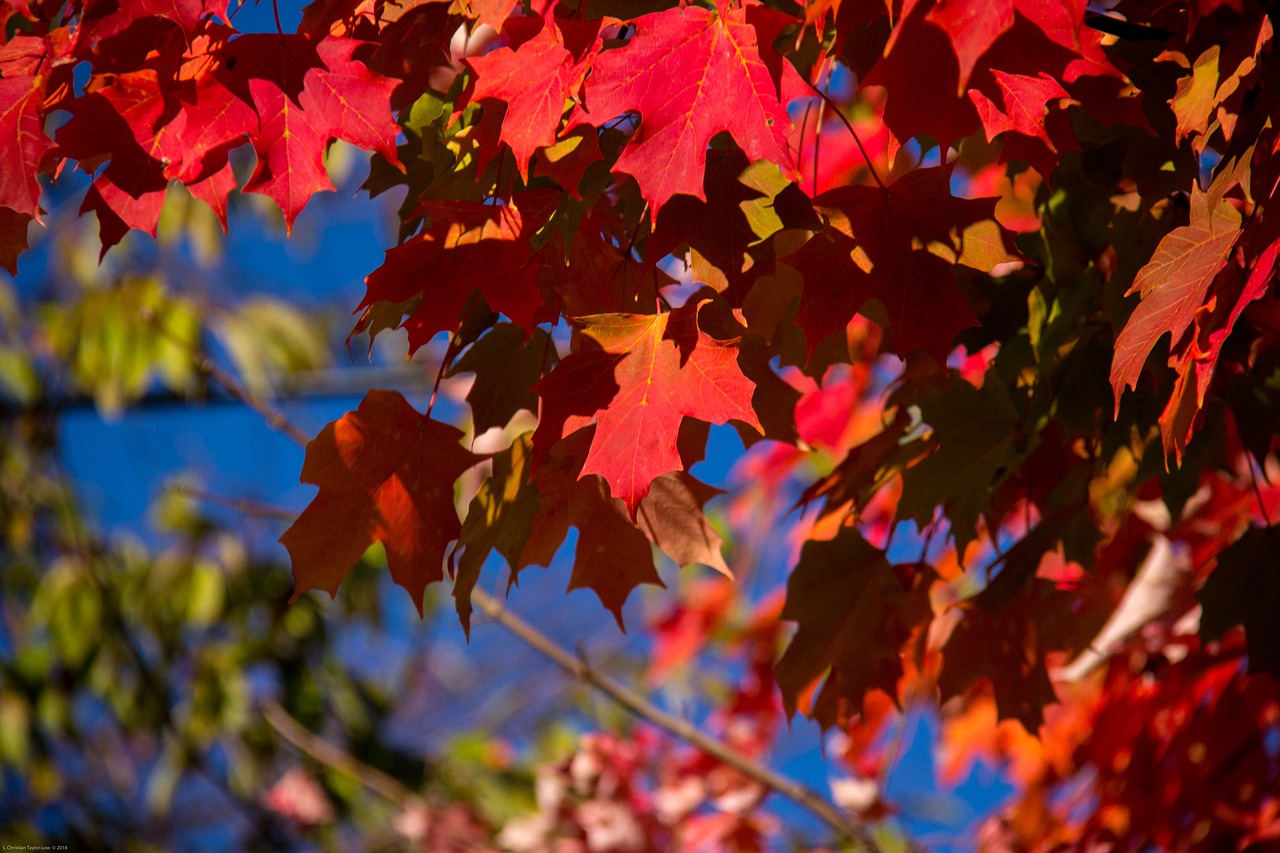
[(135, 669)]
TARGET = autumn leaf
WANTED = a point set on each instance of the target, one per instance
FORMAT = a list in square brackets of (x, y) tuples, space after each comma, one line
[(853, 615), (386, 475), (500, 518), (307, 92), (1175, 283), (1008, 649), (717, 229), (532, 113), (13, 238), (671, 515), (612, 556), (661, 73), (826, 309), (506, 366), (526, 519), (865, 468), (1244, 589), (975, 433), (23, 143), (104, 19), (450, 260), (973, 26), (664, 368), (491, 12), (881, 260), (924, 304), (1026, 101), (125, 120)]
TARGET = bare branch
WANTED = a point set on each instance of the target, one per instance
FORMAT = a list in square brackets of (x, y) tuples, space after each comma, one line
[(246, 507), (336, 758), (275, 418), (579, 668)]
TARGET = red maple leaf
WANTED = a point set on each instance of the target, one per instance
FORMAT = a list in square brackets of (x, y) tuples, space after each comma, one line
[(23, 143), (973, 26), (943, 63), (103, 19), (612, 556), (853, 615), (386, 474), (1026, 102), (454, 257), (491, 12), (527, 521), (532, 113), (926, 309), (717, 229), (1246, 278), (662, 74), (306, 93), (145, 135), (827, 308), (639, 376)]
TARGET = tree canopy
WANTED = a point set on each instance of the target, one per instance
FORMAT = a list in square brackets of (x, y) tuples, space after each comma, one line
[(983, 291)]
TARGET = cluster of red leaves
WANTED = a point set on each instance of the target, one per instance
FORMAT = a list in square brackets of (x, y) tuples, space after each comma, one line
[(844, 288)]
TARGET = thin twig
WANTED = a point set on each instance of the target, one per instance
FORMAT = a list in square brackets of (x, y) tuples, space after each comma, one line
[(273, 416), (450, 351), (817, 129), (336, 758), (632, 701), (240, 505), (849, 125)]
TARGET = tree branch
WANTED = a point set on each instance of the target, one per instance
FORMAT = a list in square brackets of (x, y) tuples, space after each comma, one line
[(240, 505), (641, 707), (274, 417), (336, 758)]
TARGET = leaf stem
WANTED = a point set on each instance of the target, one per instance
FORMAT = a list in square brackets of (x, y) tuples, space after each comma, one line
[(817, 131), (849, 125), (241, 505), (275, 10), (449, 352)]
